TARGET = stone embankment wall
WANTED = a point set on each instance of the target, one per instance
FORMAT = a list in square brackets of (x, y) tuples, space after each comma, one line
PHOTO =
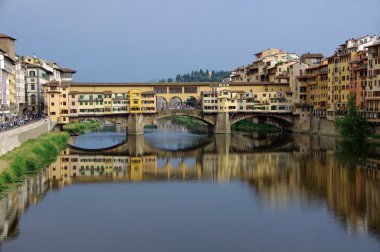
[(323, 126), (14, 138)]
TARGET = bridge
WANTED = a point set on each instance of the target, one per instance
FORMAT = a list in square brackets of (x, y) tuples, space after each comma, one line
[(219, 123), (135, 105)]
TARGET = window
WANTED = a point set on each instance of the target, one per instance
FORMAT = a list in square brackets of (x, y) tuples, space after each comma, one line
[(32, 73), (33, 99), (175, 90), (73, 103), (32, 87), (191, 90), (52, 104)]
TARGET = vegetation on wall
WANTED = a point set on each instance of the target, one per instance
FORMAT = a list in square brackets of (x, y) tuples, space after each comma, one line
[(200, 76), (188, 121), (31, 157), (248, 126), (81, 127), (353, 125)]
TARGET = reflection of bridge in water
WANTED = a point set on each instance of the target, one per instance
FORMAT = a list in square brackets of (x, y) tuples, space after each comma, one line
[(303, 167), (241, 143)]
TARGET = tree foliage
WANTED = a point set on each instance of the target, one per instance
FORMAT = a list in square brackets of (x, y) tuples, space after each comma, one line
[(200, 76), (352, 126)]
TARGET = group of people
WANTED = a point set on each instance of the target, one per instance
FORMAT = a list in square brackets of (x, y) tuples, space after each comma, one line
[(14, 121)]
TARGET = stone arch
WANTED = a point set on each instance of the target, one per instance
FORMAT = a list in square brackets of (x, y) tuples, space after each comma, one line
[(282, 122), (191, 102), (175, 103), (205, 120), (162, 103)]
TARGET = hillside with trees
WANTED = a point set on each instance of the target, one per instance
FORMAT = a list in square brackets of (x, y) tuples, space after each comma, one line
[(199, 76)]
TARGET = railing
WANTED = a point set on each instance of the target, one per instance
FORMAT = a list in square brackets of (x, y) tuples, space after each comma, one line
[(19, 123)]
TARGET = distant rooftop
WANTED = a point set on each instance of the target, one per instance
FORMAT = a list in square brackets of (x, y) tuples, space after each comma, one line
[(6, 36), (312, 55)]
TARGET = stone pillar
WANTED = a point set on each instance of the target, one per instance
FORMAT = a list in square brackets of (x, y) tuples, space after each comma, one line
[(222, 125), (136, 146), (135, 124)]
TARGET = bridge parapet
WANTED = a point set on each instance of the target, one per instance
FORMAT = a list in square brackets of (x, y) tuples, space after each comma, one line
[(179, 112), (194, 113)]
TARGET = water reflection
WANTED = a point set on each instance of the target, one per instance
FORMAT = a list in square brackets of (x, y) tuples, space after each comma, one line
[(279, 170)]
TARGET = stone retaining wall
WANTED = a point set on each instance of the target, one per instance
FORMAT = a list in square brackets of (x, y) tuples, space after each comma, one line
[(14, 138)]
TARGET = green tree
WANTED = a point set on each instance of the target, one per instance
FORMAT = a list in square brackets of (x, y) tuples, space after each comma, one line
[(353, 126)]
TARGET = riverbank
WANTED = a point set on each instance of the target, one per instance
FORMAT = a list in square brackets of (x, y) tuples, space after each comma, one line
[(81, 127), (30, 157), (248, 126)]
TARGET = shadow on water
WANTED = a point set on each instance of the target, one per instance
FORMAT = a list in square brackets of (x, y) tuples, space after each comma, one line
[(284, 173)]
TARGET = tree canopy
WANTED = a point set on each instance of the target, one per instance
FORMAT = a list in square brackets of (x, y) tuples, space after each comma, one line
[(200, 76)]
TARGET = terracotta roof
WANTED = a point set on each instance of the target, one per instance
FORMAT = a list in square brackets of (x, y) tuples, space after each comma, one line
[(312, 55), (199, 84), (52, 83), (315, 66), (68, 70), (6, 36)]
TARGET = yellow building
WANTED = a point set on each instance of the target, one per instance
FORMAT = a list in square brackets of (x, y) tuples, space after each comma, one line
[(53, 101), (12, 92), (316, 83), (339, 74), (135, 100), (339, 83), (372, 94)]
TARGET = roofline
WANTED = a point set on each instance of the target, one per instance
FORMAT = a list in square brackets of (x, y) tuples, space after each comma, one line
[(141, 84)]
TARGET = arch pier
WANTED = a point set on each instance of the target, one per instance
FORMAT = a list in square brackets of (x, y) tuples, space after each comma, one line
[(219, 123)]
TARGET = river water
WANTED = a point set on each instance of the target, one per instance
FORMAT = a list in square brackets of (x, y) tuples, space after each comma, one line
[(178, 189)]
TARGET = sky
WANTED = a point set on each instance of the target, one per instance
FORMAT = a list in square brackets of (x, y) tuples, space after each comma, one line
[(145, 40)]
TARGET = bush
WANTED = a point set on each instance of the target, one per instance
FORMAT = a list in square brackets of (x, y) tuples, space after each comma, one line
[(81, 127), (352, 126), (32, 156), (248, 126)]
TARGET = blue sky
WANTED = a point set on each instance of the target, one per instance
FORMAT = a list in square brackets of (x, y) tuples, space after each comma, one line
[(142, 40)]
